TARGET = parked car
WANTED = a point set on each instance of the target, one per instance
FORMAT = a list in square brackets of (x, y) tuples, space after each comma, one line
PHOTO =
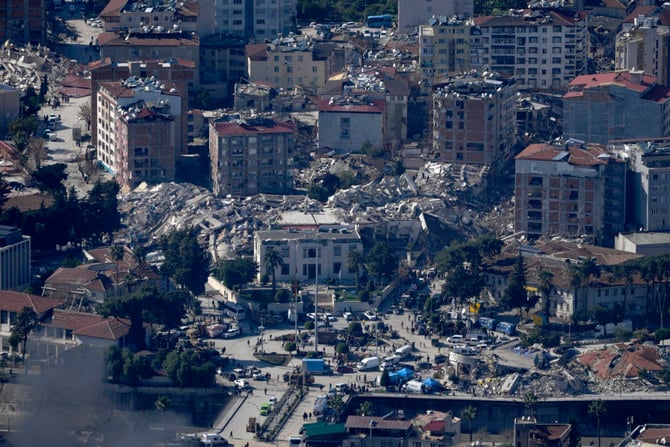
[(370, 315), (348, 316), (242, 383), (259, 376)]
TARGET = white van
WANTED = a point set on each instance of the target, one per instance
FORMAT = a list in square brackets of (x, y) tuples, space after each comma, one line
[(390, 361), (404, 351), (369, 364), (212, 439), (294, 441)]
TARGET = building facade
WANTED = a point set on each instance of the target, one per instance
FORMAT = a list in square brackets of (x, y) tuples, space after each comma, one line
[(119, 101), (145, 145), (621, 105), (251, 156), (644, 47), (307, 254), (413, 13), (262, 19), (290, 63), (448, 45), (649, 163), (563, 190), (24, 21), (128, 15), (474, 119), (348, 124), (540, 48), (14, 259)]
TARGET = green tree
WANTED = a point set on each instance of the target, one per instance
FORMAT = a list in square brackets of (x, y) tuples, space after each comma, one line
[(515, 294), (86, 114), (5, 189), (99, 211), (365, 408), (337, 405), (116, 253), (189, 369), (185, 260), (530, 401), (26, 321), (236, 273), (545, 288), (163, 404), (384, 380), (469, 413), (114, 363), (597, 409), (381, 261), (354, 261), (290, 346), (50, 178), (273, 260), (355, 328)]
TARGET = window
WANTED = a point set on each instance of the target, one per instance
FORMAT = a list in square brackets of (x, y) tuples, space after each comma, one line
[(345, 127), (337, 266), (285, 268), (337, 251)]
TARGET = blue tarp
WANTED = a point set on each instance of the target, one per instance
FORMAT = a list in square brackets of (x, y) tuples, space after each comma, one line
[(401, 376), (432, 385)]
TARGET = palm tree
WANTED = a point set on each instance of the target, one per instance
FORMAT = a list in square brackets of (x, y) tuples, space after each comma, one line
[(26, 321), (529, 401), (597, 409), (365, 409), (469, 413), (354, 262), (272, 260), (545, 288), (116, 253)]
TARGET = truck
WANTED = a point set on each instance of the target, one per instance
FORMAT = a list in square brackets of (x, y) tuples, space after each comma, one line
[(413, 386), (316, 366), (320, 405), (404, 351), (610, 328)]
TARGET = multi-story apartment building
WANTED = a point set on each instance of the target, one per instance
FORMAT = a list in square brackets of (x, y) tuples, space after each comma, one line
[(448, 45), (649, 186), (145, 149), (623, 105), (262, 19), (348, 123), (129, 15), (308, 253), (181, 73), (571, 190), (150, 46), (288, 63), (474, 119), (540, 48), (23, 21), (644, 46), (412, 13), (251, 156), (14, 258), (114, 101), (375, 83)]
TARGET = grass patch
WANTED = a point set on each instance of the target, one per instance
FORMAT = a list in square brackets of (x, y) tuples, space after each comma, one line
[(273, 358)]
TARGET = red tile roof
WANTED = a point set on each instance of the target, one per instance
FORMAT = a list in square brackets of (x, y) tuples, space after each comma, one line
[(91, 325), (639, 11), (375, 106), (257, 51), (149, 39), (113, 8), (574, 154), (228, 128), (15, 301), (647, 87), (557, 18), (619, 361)]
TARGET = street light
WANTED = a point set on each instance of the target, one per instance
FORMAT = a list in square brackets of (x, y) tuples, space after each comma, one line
[(372, 424)]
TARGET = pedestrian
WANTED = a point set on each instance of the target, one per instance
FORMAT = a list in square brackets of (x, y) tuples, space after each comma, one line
[(365, 377), (304, 416), (265, 390), (231, 433), (310, 415)]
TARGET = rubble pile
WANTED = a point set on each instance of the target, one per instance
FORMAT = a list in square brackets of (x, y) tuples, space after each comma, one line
[(226, 223), (26, 65)]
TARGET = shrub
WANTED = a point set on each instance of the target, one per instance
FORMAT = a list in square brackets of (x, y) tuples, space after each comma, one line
[(309, 325), (342, 348)]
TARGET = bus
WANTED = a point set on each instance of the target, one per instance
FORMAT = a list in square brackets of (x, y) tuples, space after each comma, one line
[(234, 310), (382, 21)]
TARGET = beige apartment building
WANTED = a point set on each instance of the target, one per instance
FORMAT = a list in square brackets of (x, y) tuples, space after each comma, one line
[(291, 63)]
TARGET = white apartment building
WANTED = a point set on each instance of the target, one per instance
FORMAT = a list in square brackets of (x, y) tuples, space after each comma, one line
[(644, 47), (540, 48), (308, 253), (256, 18), (412, 13), (112, 100), (14, 258), (650, 163)]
